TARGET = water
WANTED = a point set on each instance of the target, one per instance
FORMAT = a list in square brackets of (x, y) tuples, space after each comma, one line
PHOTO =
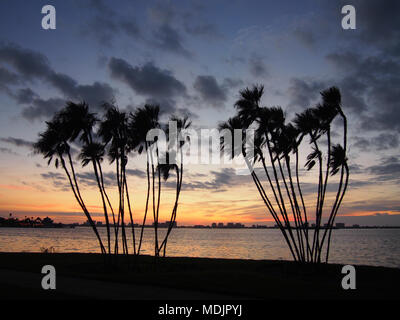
[(378, 247)]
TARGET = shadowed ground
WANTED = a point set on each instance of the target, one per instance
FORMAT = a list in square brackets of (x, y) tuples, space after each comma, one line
[(84, 276)]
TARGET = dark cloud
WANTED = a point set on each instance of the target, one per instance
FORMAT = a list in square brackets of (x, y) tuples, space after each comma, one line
[(34, 65), (384, 141), (162, 13), (169, 39), (304, 92), (42, 108), (378, 24), (25, 96), (306, 36), (107, 25), (210, 90), (257, 67), (232, 83), (136, 173), (147, 80), (387, 170), (8, 151), (29, 63), (8, 78), (88, 179), (374, 79), (17, 142)]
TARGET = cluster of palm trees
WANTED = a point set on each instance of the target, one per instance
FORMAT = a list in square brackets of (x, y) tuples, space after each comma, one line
[(116, 135), (276, 146)]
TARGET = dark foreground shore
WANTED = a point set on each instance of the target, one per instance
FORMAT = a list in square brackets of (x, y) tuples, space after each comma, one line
[(81, 276)]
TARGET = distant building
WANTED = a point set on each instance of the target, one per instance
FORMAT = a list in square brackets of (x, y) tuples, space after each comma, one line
[(231, 225), (356, 225), (99, 223), (166, 224), (340, 225), (214, 225), (220, 225), (239, 225)]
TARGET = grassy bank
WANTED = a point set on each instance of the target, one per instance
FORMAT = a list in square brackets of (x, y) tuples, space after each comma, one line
[(252, 279)]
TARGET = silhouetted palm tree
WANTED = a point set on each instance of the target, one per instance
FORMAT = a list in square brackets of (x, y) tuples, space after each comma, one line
[(93, 152), (113, 131), (140, 122), (276, 140), (182, 124), (53, 144)]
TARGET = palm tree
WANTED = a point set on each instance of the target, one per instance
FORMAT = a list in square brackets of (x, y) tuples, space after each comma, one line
[(140, 122), (181, 124), (277, 140), (93, 152), (113, 131), (53, 144), (80, 123)]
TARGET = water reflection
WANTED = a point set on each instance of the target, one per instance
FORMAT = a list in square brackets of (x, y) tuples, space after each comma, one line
[(370, 247)]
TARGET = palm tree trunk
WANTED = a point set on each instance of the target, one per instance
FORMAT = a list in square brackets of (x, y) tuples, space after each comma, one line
[(119, 209), (281, 198), (123, 233), (299, 239), (163, 245), (147, 201), (106, 196), (78, 199), (297, 207), (154, 205), (315, 246), (272, 211), (130, 214), (302, 202), (159, 197), (104, 205), (336, 211)]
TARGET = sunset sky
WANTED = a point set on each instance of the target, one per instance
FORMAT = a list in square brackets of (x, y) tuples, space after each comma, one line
[(193, 57)]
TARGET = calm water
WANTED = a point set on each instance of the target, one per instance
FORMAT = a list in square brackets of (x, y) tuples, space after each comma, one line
[(377, 247)]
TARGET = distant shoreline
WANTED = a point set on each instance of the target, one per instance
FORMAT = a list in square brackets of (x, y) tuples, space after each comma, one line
[(67, 226)]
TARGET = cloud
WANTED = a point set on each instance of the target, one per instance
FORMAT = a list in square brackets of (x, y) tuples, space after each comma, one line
[(304, 92), (384, 141), (42, 108), (29, 63), (17, 142), (374, 79), (147, 80), (169, 39), (107, 25), (33, 65), (25, 96), (387, 170), (88, 179), (210, 91), (136, 173), (8, 151), (378, 20), (203, 29), (8, 78), (257, 67)]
